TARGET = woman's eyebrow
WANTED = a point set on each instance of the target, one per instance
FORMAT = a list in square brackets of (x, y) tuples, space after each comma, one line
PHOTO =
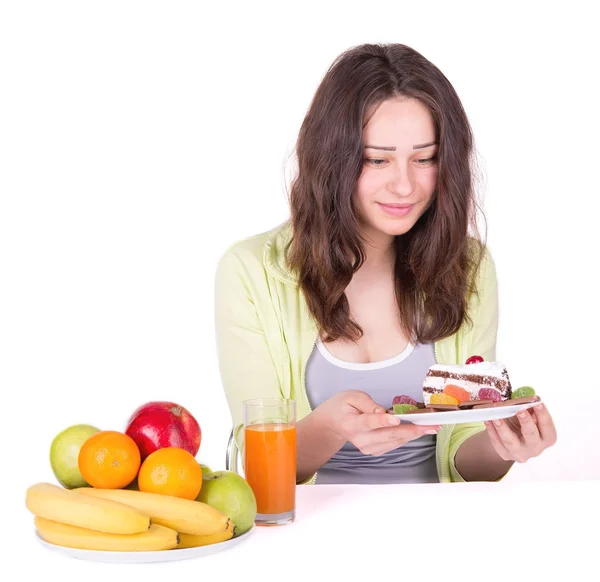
[(393, 148)]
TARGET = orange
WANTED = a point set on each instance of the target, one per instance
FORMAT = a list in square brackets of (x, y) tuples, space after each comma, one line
[(171, 471), (109, 460)]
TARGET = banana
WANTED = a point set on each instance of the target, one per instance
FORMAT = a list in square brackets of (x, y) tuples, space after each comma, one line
[(69, 507), (192, 541), (156, 538), (182, 515)]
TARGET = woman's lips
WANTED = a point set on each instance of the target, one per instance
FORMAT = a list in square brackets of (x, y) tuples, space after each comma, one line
[(396, 210)]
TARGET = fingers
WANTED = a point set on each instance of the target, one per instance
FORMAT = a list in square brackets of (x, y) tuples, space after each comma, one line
[(367, 422), (362, 402), (374, 422), (509, 445), (381, 440), (545, 425), (405, 432), (512, 443), (497, 443), (529, 432), (537, 432)]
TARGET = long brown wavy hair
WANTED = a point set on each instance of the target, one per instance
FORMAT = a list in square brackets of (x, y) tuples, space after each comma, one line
[(436, 261)]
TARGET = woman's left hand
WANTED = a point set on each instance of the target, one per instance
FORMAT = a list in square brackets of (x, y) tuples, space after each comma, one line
[(522, 436)]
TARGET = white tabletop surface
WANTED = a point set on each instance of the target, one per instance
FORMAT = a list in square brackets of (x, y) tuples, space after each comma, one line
[(484, 531)]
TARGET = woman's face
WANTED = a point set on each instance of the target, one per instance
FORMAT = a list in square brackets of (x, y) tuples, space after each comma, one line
[(399, 173)]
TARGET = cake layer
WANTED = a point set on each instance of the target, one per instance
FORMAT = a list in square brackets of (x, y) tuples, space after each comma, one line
[(470, 377)]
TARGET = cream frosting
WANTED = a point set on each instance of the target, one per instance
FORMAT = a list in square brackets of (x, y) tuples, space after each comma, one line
[(483, 368)]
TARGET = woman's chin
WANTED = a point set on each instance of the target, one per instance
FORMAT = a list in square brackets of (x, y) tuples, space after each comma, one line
[(378, 228), (397, 229)]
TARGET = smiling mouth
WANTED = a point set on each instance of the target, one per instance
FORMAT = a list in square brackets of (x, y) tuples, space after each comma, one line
[(396, 205), (396, 210)]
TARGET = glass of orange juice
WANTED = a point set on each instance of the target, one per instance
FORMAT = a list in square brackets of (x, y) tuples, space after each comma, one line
[(270, 458)]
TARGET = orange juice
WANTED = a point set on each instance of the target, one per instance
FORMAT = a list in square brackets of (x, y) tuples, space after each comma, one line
[(270, 466)]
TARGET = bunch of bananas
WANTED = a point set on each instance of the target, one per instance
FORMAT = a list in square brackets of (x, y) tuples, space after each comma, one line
[(123, 520)]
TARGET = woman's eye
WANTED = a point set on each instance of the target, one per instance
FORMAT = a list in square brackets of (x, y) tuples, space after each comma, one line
[(379, 162)]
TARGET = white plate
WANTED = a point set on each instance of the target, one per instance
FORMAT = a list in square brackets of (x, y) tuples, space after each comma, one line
[(460, 416), (162, 556)]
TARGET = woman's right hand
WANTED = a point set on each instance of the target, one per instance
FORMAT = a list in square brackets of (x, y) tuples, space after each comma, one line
[(355, 417)]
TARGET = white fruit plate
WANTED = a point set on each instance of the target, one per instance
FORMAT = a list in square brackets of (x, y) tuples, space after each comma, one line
[(161, 556), (460, 416)]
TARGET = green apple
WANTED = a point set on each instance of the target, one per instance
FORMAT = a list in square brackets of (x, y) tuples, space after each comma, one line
[(64, 454), (205, 470), (231, 494)]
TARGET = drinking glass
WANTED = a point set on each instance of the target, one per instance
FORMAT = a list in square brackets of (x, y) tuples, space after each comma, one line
[(270, 458)]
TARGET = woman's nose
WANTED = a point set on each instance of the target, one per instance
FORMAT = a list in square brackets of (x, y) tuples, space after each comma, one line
[(401, 182)]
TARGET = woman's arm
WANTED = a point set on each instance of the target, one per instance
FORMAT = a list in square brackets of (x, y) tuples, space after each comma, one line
[(477, 460), (316, 443), (246, 365), (249, 370)]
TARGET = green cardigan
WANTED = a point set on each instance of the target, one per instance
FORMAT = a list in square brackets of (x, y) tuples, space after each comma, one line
[(265, 335)]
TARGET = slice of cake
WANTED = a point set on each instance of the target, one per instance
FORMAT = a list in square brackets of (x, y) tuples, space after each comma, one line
[(455, 383)]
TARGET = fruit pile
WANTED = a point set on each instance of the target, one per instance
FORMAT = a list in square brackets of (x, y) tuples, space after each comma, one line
[(140, 489)]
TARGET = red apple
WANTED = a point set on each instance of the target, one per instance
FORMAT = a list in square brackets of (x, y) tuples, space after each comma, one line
[(156, 425)]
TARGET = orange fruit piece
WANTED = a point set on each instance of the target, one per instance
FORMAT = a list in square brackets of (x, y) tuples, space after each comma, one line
[(441, 398), (457, 392), (109, 460), (171, 471)]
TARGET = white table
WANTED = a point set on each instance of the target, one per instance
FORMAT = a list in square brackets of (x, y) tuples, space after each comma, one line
[(478, 531)]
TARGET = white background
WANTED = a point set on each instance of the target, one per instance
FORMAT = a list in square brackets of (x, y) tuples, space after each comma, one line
[(139, 140)]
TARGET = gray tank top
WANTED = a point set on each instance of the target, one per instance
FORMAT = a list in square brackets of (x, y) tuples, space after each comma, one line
[(413, 462)]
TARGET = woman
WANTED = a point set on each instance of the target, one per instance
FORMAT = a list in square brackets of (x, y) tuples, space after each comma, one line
[(378, 274)]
